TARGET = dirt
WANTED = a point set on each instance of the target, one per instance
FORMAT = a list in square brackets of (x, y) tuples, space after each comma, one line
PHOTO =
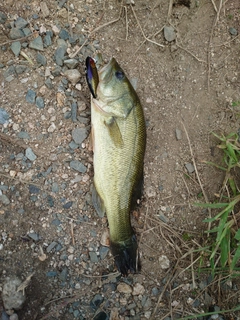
[(188, 84)]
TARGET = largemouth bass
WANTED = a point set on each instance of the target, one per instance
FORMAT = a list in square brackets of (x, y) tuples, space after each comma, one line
[(118, 139)]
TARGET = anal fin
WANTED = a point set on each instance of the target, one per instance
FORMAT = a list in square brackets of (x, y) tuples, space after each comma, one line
[(98, 203)]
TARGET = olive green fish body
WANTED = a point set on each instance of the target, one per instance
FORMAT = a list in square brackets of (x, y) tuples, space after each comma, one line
[(118, 130)]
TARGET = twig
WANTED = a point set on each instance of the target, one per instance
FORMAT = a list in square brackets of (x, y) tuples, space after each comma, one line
[(95, 30), (72, 233), (197, 174), (146, 38), (200, 60), (20, 39), (214, 6), (170, 9), (125, 8)]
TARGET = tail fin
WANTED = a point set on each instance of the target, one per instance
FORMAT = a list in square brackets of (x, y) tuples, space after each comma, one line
[(126, 255)]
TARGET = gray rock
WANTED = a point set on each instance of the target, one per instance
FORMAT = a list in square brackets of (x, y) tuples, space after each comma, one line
[(4, 116), (44, 9), (71, 63), (16, 34), (73, 145), (40, 102), (51, 246), (20, 69), (33, 189), (63, 34), (178, 134), (79, 135), (74, 107), (13, 316), (78, 166), (20, 23), (47, 40), (169, 33), (60, 52), (56, 71), (10, 78), (36, 44), (4, 199), (68, 205), (233, 31), (31, 96), (55, 187), (34, 236), (30, 154), (190, 168), (10, 70), (48, 83), (103, 251), (4, 315), (96, 301), (63, 275), (12, 298), (41, 60), (16, 48), (3, 17), (23, 135), (93, 257), (26, 31), (101, 316), (73, 75)]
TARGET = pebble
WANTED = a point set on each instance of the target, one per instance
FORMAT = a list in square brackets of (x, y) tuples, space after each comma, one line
[(73, 145), (178, 134), (3, 17), (124, 288), (4, 315), (63, 275), (12, 299), (164, 262), (14, 316), (68, 205), (60, 52), (34, 236), (15, 34), (79, 135), (48, 83), (233, 31), (4, 116), (103, 251), (44, 9), (51, 274), (16, 48), (169, 33), (52, 127), (41, 60), (20, 69), (31, 96), (73, 75), (138, 289), (30, 154), (93, 257), (40, 102), (63, 34), (47, 40), (71, 63), (4, 199), (55, 187), (78, 166), (190, 168), (50, 201), (26, 31), (36, 44), (74, 107), (51, 246), (20, 23), (101, 316), (33, 189), (96, 301)]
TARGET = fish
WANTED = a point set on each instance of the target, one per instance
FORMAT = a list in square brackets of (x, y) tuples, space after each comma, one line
[(118, 135)]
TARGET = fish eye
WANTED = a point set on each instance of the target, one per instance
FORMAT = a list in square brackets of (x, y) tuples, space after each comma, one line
[(119, 74)]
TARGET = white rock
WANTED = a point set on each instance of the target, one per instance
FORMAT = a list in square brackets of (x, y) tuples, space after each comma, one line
[(52, 127), (124, 288), (138, 289), (164, 262)]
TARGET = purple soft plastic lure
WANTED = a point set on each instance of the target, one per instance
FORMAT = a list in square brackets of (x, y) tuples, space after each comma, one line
[(92, 76)]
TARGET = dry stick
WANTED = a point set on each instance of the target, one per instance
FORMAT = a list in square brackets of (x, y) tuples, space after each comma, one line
[(199, 180), (170, 9), (72, 233), (214, 5), (125, 8), (200, 60), (146, 38), (93, 31)]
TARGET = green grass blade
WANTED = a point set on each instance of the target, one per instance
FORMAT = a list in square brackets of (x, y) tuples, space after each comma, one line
[(235, 259)]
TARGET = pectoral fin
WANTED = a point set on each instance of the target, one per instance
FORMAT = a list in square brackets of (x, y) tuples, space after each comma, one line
[(98, 203), (114, 131)]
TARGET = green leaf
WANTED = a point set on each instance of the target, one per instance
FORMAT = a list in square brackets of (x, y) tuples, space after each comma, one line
[(211, 205), (232, 185), (225, 249), (237, 235), (232, 152), (235, 259)]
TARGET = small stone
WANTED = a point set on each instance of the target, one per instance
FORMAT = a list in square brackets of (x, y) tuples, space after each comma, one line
[(73, 75), (20, 23), (20, 69), (74, 111), (138, 289), (31, 96), (190, 168), (33, 189), (73, 145), (78, 166), (4, 116), (102, 316), (55, 187), (178, 134), (68, 205), (51, 274), (60, 52), (44, 9), (52, 127), (169, 33), (79, 135), (36, 44), (63, 34), (5, 316), (96, 301), (63, 275), (93, 257), (164, 262), (15, 34), (124, 288), (12, 298), (3, 17), (41, 60), (26, 31), (4, 199), (103, 251), (71, 63), (34, 236), (23, 135), (51, 246), (47, 40), (16, 48), (40, 102), (150, 192), (50, 201), (48, 83), (233, 31), (30, 154), (10, 78)]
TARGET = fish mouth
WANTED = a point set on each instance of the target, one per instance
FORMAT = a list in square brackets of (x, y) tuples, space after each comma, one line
[(105, 72)]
